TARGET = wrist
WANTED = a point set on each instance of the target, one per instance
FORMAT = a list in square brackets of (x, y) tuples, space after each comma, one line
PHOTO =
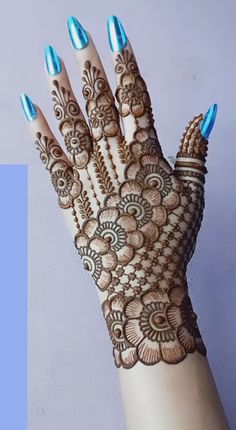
[(155, 326)]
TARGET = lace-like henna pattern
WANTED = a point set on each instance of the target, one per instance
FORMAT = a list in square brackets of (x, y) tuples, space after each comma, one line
[(138, 242)]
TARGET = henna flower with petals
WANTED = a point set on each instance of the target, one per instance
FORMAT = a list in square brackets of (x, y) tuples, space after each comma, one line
[(145, 142), (155, 172), (77, 140), (148, 329), (132, 95), (120, 232), (66, 183), (113, 311), (144, 204), (181, 316), (97, 258), (102, 117)]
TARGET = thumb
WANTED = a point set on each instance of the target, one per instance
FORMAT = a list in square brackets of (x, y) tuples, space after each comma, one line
[(191, 158)]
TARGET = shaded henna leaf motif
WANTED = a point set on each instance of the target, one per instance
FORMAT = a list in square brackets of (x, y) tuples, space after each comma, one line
[(84, 205), (103, 179), (123, 151)]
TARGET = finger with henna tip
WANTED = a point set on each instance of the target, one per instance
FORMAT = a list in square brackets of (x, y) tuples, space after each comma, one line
[(72, 124)]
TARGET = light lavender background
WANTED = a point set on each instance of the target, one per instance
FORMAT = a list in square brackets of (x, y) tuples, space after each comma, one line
[(186, 52)]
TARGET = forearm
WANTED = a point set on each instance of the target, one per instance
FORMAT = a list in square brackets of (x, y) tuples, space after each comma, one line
[(166, 380), (180, 396)]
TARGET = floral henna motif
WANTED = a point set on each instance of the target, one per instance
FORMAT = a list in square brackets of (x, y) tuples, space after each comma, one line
[(103, 119), (74, 129), (145, 142), (97, 258), (154, 327), (64, 177), (64, 180), (134, 100), (182, 317), (132, 93), (120, 231), (144, 203), (124, 353), (157, 173)]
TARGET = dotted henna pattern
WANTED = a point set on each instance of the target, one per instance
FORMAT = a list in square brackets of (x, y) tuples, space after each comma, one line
[(137, 241)]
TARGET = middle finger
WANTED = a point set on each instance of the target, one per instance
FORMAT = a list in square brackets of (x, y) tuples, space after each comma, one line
[(100, 106)]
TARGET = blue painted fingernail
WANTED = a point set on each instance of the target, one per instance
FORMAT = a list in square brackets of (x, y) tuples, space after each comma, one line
[(78, 35), (116, 34), (28, 107), (208, 121), (52, 60)]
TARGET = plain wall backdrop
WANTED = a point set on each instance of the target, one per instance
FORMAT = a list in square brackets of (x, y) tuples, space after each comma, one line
[(186, 53)]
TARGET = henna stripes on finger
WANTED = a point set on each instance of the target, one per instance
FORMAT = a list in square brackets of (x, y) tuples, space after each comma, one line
[(190, 161)]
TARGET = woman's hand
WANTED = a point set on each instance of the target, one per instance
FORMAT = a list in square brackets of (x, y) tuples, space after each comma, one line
[(135, 219)]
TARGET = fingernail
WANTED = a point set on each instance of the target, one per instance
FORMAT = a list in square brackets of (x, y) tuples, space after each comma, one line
[(28, 107), (208, 121), (116, 34), (52, 60), (78, 35)]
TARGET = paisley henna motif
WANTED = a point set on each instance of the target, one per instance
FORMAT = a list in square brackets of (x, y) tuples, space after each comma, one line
[(139, 240)]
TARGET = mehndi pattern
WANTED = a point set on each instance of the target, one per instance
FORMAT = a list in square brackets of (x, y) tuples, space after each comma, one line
[(139, 240)]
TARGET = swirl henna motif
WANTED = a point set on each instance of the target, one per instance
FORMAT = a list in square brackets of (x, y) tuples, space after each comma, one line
[(138, 242)]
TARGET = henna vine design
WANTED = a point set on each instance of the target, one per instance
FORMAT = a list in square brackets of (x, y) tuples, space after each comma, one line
[(138, 238)]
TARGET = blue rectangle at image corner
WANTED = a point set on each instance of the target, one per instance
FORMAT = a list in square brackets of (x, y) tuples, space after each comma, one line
[(13, 303)]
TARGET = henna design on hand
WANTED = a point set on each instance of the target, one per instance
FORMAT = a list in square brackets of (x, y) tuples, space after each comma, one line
[(138, 238)]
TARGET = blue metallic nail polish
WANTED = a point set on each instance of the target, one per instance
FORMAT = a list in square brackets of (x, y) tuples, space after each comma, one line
[(28, 107), (208, 121), (116, 34), (78, 35), (52, 60)]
